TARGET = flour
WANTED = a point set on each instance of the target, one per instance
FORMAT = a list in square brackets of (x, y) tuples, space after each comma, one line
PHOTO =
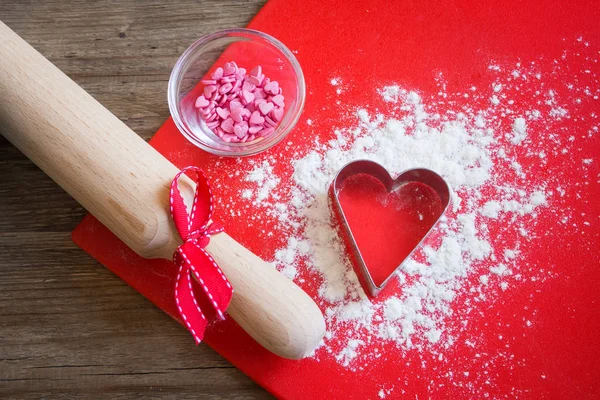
[(491, 186), (519, 131)]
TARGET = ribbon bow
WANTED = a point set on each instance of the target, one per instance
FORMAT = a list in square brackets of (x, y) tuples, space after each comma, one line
[(195, 229)]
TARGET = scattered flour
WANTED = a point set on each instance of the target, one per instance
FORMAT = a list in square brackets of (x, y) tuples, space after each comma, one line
[(476, 152)]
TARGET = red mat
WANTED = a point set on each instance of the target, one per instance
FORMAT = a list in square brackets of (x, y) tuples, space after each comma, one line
[(368, 45)]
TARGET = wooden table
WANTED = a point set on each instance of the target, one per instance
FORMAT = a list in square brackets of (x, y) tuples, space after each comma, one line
[(68, 327)]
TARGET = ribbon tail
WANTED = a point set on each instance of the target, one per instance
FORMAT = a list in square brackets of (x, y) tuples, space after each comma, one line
[(193, 317), (210, 277)]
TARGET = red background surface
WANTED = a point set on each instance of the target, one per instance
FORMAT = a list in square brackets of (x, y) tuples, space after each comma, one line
[(410, 42)]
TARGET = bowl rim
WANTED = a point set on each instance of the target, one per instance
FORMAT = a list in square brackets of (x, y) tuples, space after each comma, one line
[(177, 71)]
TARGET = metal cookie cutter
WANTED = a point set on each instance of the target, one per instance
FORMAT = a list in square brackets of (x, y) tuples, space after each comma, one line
[(421, 175)]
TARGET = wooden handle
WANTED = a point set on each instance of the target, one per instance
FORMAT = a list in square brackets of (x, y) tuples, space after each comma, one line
[(124, 183)]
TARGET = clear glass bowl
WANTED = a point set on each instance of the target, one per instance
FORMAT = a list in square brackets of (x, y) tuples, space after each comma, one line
[(247, 48)]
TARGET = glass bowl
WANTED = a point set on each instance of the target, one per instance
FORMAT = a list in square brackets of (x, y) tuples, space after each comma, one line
[(247, 48)]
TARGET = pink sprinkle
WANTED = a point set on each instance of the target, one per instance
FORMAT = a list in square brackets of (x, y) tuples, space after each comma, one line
[(201, 102), (228, 79), (277, 114), (236, 114), (256, 71), (208, 90), (255, 129), (223, 112), (229, 137), (248, 86), (213, 124), (215, 96), (211, 117), (223, 101), (256, 118), (265, 82), (269, 121), (220, 132), (278, 100), (265, 107), (218, 74), (230, 68), (272, 87), (235, 104), (232, 96), (225, 88), (209, 81), (237, 85), (256, 80), (259, 94), (240, 129), (227, 125), (247, 96), (267, 131)]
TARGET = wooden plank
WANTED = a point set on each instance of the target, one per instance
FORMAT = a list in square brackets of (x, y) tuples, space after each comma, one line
[(68, 327)]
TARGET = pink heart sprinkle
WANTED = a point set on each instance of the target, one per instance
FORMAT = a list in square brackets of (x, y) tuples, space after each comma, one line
[(218, 74), (229, 137), (229, 69), (278, 100), (277, 114), (235, 104), (256, 80), (248, 86), (237, 114), (227, 125), (269, 122), (265, 81), (255, 129), (267, 131), (256, 71), (265, 108), (223, 112), (210, 89), (202, 102), (240, 130), (247, 96), (259, 94), (272, 87), (225, 88), (241, 72), (256, 119), (228, 79)]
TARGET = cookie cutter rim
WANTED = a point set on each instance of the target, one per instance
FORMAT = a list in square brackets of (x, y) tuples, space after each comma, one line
[(374, 169)]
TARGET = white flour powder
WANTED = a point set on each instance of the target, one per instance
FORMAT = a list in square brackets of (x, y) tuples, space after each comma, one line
[(483, 159)]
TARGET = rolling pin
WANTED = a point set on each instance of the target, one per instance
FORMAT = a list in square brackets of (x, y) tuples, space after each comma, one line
[(124, 183)]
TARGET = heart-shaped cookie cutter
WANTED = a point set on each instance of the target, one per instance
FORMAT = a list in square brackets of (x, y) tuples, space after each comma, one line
[(420, 175)]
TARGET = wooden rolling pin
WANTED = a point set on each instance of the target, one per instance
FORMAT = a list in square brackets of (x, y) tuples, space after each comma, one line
[(124, 183)]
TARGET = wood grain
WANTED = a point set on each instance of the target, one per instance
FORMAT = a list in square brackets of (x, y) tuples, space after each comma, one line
[(68, 327)]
